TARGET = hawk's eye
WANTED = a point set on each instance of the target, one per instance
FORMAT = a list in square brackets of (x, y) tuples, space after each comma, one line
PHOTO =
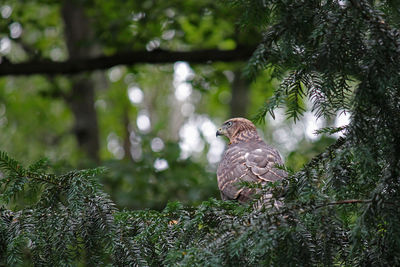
[(229, 124)]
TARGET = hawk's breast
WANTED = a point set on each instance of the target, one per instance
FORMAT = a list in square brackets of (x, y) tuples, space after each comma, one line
[(251, 161)]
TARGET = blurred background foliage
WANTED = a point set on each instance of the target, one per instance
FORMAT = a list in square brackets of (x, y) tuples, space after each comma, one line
[(151, 125)]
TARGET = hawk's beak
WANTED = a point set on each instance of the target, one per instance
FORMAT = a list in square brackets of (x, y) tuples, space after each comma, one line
[(219, 132)]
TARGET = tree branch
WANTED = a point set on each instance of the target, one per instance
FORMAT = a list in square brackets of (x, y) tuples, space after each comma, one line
[(124, 58), (38, 177), (347, 201)]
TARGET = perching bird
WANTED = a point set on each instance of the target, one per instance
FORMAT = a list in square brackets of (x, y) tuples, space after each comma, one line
[(247, 158)]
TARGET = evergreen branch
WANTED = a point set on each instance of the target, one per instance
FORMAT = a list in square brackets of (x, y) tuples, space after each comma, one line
[(41, 164), (45, 178), (342, 202), (10, 165), (330, 130), (256, 63), (368, 13), (341, 141)]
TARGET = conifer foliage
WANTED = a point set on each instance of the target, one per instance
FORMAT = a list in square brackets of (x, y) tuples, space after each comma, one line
[(72, 219), (342, 208)]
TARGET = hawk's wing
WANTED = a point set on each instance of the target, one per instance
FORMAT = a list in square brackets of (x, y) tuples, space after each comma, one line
[(252, 161)]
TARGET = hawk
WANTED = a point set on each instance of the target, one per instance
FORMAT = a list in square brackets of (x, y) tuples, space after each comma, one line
[(247, 158)]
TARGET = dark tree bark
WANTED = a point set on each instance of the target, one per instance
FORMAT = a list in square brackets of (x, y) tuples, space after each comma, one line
[(81, 102), (79, 39), (240, 95)]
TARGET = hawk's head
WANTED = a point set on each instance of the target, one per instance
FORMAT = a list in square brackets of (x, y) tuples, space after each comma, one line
[(236, 128)]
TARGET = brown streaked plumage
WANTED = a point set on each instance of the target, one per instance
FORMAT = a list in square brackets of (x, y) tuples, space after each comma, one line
[(247, 158)]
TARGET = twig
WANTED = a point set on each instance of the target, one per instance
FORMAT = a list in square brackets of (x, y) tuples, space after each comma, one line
[(347, 201), (35, 177)]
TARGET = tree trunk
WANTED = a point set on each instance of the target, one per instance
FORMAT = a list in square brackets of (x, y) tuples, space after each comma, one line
[(127, 128), (240, 95), (79, 39)]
